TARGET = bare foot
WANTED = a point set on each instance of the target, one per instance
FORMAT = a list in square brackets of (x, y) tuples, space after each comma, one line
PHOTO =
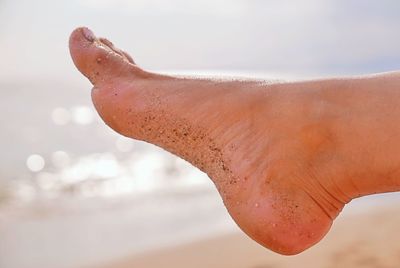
[(270, 149)]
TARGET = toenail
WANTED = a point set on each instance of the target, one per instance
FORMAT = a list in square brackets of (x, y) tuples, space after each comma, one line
[(88, 34)]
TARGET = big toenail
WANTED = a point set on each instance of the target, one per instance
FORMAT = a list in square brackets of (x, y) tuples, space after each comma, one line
[(88, 34)]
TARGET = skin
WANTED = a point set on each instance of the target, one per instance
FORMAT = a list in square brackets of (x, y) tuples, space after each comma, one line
[(285, 157)]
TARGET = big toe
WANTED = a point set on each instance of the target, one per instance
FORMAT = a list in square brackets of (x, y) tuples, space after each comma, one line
[(97, 58)]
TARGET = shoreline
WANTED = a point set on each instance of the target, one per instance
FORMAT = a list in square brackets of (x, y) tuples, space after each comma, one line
[(183, 229), (356, 240)]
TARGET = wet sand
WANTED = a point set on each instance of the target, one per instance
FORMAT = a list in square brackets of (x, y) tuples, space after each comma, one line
[(369, 239)]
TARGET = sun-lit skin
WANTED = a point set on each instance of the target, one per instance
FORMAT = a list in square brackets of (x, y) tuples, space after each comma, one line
[(285, 157)]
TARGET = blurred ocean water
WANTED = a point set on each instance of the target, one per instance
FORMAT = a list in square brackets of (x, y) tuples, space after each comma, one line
[(69, 180), (46, 109)]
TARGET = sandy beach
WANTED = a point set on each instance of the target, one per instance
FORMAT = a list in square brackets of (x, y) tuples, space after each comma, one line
[(368, 239)]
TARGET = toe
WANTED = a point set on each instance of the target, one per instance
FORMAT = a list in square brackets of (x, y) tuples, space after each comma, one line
[(122, 53), (97, 59), (129, 58)]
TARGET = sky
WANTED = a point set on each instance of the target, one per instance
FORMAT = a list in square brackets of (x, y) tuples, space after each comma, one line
[(266, 36)]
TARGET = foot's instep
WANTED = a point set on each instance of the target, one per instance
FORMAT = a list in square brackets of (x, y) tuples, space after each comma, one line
[(252, 139)]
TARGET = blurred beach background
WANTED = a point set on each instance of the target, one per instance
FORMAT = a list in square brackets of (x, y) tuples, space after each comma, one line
[(75, 194)]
